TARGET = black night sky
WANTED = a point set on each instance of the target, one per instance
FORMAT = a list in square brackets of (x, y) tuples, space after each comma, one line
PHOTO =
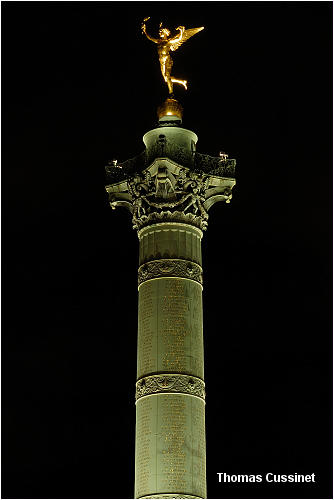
[(80, 87)]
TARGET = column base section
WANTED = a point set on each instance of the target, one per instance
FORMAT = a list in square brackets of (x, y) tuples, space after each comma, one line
[(170, 447)]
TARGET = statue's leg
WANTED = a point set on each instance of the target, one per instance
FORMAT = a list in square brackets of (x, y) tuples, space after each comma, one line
[(169, 64), (163, 70), (166, 74), (170, 86)]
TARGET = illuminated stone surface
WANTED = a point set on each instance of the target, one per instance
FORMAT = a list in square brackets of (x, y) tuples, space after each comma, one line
[(170, 337), (168, 426), (169, 189)]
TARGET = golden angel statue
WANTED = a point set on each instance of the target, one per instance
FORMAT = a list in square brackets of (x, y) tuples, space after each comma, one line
[(165, 44)]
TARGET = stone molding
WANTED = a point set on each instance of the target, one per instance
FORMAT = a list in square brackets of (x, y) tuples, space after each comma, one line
[(166, 268), (170, 383), (168, 226), (193, 160), (170, 495)]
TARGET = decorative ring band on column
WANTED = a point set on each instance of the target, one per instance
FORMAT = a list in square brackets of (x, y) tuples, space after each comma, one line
[(165, 268), (155, 384), (169, 495)]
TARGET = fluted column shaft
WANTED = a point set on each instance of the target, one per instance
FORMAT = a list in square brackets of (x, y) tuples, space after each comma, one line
[(170, 407)]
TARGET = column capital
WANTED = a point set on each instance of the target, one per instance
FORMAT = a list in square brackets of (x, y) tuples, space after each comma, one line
[(177, 186)]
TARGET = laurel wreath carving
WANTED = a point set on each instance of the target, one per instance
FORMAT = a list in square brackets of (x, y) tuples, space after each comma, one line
[(170, 268), (171, 495), (155, 384)]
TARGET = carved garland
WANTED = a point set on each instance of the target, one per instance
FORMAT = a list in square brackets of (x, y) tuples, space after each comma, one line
[(170, 268), (155, 384), (171, 495)]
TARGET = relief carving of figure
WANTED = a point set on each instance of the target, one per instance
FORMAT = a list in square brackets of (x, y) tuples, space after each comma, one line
[(164, 186), (166, 193)]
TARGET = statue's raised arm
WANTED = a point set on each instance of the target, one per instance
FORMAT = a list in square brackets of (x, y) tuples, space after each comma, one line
[(178, 37), (165, 44), (143, 28)]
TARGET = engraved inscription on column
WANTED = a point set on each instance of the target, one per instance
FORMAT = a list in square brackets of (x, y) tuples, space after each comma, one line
[(146, 330), (172, 411), (170, 337), (197, 359), (145, 449), (180, 327), (170, 445), (174, 328), (181, 445), (198, 447)]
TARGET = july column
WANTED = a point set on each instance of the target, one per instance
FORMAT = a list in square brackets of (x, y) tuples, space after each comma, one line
[(170, 424)]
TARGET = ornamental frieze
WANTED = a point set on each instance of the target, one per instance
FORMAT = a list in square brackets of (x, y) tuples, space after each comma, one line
[(163, 268), (170, 496), (156, 384), (168, 192)]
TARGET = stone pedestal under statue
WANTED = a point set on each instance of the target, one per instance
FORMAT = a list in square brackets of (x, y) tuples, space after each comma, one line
[(169, 189)]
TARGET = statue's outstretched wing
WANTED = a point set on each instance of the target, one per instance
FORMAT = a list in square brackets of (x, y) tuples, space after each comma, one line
[(186, 35)]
